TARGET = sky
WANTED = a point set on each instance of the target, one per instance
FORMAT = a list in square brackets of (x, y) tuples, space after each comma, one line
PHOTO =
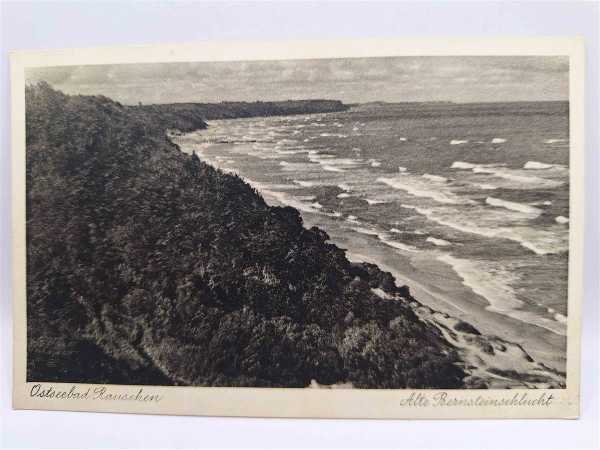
[(352, 80)]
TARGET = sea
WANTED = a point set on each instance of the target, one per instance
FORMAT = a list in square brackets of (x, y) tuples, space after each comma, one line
[(469, 203)]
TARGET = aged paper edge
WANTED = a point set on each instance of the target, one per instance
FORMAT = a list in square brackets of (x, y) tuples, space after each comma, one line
[(307, 403)]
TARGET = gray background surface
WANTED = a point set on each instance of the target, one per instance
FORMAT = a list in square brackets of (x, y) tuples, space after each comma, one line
[(85, 24)]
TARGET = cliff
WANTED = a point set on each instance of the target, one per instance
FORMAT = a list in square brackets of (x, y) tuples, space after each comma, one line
[(147, 266)]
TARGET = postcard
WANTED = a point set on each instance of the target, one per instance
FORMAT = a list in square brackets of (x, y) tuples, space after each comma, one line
[(379, 228)]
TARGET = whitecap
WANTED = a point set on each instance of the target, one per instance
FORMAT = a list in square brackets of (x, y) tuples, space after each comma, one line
[(493, 282), (562, 219), (403, 139), (436, 178), (418, 188), (513, 206), (498, 141), (375, 163), (478, 222), (375, 202), (458, 142), (332, 169), (367, 231), (396, 244), (402, 169), (438, 242), (560, 318), (554, 141), (306, 198), (343, 195), (534, 165), (462, 165)]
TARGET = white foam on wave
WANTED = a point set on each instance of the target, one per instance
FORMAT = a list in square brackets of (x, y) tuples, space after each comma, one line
[(344, 195), (560, 318), (486, 186), (402, 169), (375, 163), (478, 222), (554, 141), (498, 141), (418, 188), (316, 205), (402, 139), (462, 165), (493, 283), (352, 219), (329, 168), (337, 135), (458, 141), (306, 198), (344, 187), (367, 231), (306, 183), (438, 242), (534, 165), (561, 219), (375, 202), (436, 178), (513, 206), (524, 179), (396, 244)]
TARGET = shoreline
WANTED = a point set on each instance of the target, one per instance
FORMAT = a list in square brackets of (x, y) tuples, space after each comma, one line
[(543, 345)]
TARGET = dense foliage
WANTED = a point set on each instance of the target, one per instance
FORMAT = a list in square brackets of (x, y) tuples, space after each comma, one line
[(186, 115), (146, 265)]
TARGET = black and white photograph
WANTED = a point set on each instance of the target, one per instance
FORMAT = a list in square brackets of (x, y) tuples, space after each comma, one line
[(349, 223)]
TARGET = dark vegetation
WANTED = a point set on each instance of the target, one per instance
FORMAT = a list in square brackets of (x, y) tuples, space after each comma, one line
[(190, 116), (147, 266)]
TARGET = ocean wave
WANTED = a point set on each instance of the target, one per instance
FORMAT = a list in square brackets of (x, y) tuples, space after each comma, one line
[(555, 141), (479, 222), (438, 242), (486, 186), (458, 142), (375, 163), (418, 188), (402, 139), (329, 168), (494, 283), (402, 169), (522, 177), (306, 198), (396, 244), (561, 219), (462, 165), (436, 178), (534, 165), (367, 231), (375, 202), (513, 206), (306, 183), (344, 187), (337, 135), (344, 195), (498, 141)]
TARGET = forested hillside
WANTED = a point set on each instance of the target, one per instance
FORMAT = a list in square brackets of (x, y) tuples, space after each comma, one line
[(147, 266)]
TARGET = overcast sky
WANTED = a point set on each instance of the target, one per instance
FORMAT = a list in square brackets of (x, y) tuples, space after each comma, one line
[(352, 80)]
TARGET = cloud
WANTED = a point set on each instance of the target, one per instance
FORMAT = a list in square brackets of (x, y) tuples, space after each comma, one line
[(473, 78)]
